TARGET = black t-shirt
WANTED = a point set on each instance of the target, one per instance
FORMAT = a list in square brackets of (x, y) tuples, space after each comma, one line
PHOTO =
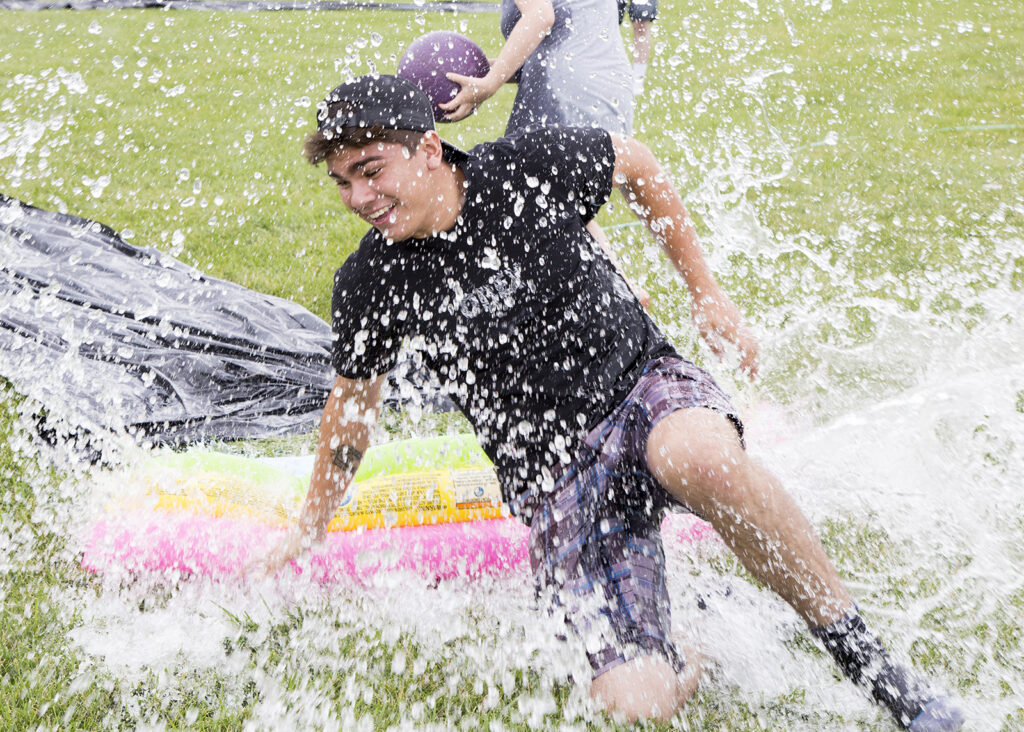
[(529, 327)]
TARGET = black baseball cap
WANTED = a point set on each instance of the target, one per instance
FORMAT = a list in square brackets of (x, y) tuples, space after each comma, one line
[(380, 101)]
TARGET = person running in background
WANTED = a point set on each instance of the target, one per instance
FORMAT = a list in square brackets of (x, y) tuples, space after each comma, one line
[(595, 424), (642, 14), (569, 61), (571, 68)]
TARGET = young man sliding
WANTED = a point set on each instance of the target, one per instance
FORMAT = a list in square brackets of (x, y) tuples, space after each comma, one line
[(481, 260)]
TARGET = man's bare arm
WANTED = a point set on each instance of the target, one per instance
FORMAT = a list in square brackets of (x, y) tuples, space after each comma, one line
[(348, 417), (655, 200)]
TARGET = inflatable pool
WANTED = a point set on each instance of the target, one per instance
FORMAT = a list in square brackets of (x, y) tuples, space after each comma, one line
[(429, 506)]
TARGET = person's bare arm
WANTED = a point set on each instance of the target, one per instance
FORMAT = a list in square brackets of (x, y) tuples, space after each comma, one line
[(655, 200), (537, 18), (348, 417)]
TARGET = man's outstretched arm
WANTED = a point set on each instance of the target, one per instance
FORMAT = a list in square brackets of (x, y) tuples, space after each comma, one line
[(655, 200), (348, 417)]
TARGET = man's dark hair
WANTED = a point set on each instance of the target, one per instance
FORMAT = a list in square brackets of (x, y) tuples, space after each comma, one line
[(319, 145)]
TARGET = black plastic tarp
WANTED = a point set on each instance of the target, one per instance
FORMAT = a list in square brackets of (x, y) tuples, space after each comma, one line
[(111, 336)]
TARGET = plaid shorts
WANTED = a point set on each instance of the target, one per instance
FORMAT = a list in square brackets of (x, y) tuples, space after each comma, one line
[(595, 538)]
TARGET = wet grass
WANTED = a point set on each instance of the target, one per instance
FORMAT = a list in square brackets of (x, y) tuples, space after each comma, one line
[(877, 165), (198, 120), (44, 682), (357, 677), (36, 667)]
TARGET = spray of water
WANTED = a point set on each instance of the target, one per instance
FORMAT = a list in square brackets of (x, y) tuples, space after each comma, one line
[(892, 407)]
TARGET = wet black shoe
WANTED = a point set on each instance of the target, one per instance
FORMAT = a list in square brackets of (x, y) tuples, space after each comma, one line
[(865, 661)]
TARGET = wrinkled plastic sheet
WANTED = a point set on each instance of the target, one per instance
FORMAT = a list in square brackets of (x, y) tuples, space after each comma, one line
[(109, 336), (452, 6)]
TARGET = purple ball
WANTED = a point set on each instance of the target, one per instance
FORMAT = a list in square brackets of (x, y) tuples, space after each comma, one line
[(431, 56)]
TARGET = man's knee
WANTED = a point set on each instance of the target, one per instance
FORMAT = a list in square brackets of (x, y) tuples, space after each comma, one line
[(695, 453), (644, 688)]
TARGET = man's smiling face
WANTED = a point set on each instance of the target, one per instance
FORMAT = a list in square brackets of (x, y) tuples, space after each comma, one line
[(387, 186)]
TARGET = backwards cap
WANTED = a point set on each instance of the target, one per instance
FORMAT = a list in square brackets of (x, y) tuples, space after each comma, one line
[(381, 100)]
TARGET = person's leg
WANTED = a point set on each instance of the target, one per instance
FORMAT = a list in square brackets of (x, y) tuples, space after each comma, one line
[(642, 42), (642, 14), (645, 688), (597, 557), (697, 456), (639, 672)]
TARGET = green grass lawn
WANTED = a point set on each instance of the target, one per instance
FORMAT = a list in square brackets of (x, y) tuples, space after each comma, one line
[(852, 168)]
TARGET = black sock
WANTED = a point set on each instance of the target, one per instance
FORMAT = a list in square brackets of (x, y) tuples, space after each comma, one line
[(864, 660)]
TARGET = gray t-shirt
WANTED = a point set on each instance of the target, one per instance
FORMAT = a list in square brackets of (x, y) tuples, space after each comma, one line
[(579, 76)]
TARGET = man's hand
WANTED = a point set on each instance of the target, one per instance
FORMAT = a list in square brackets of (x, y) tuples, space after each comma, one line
[(719, 322), (290, 547), (656, 202), (345, 425)]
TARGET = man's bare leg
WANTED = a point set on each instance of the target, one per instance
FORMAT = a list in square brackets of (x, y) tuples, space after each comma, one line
[(646, 688), (697, 456)]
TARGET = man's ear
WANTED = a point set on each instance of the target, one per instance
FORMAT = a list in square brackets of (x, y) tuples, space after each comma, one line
[(430, 145)]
